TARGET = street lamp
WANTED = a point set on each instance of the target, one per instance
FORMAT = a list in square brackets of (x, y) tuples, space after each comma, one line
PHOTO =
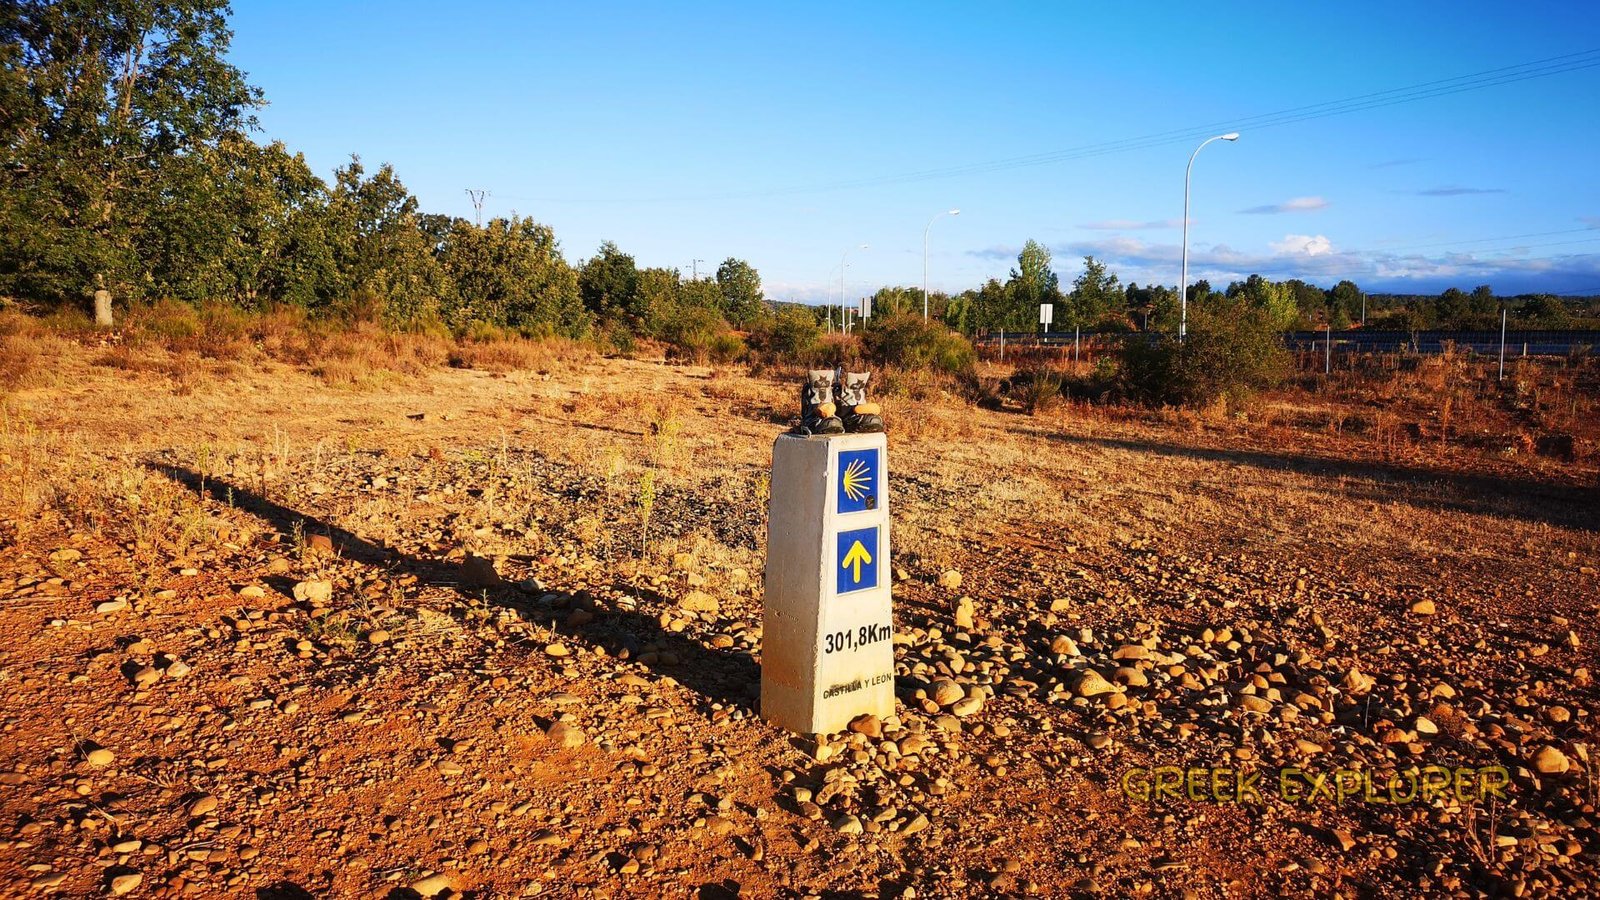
[(1183, 281), (952, 212), (841, 281)]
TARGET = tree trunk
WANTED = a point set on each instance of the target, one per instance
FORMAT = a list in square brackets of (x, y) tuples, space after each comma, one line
[(102, 308)]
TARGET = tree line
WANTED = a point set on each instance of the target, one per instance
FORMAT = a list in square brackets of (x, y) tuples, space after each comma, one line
[(126, 164), (1098, 301)]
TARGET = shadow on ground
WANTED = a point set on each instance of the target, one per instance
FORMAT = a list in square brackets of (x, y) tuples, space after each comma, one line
[(1566, 506), (730, 677)]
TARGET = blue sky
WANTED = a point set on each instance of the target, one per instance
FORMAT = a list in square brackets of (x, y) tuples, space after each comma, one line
[(784, 135)]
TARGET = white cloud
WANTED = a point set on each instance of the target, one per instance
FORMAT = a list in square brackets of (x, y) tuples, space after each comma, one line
[(1295, 204), (1302, 245)]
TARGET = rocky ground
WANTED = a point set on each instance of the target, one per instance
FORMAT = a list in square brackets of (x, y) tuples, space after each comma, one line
[(500, 637)]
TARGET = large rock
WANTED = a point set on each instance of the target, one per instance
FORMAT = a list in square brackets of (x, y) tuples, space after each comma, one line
[(699, 601), (567, 737), (1550, 761), (1092, 684), (946, 692), (478, 572), (315, 592), (1064, 646), (964, 612)]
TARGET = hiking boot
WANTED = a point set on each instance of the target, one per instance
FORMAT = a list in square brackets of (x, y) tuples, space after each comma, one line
[(861, 416), (817, 409)]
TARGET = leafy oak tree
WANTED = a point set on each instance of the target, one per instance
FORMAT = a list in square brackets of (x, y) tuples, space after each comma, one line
[(107, 108)]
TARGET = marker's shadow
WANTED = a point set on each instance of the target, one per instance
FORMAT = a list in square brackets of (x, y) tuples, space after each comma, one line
[(730, 677)]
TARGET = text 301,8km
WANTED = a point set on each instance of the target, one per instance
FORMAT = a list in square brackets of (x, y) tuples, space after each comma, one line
[(850, 639)]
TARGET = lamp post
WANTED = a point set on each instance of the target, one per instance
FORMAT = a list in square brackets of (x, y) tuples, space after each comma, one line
[(1183, 281), (951, 212), (842, 257)]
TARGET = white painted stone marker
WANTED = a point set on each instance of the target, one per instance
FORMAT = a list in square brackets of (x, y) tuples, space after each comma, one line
[(827, 650)]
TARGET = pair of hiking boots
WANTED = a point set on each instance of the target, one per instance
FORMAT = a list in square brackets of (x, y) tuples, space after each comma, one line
[(834, 402)]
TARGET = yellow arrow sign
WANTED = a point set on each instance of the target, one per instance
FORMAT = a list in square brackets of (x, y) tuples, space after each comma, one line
[(858, 554)]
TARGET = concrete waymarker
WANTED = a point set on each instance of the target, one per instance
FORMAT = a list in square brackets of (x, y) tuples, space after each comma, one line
[(827, 651)]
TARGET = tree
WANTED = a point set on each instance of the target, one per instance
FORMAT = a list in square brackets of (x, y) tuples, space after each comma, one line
[(1095, 296), (609, 283), (386, 269), (1310, 302), (1545, 311), (104, 105), (1032, 283), (511, 273), (1344, 304), (241, 222), (991, 307), (959, 312), (1274, 299), (741, 291)]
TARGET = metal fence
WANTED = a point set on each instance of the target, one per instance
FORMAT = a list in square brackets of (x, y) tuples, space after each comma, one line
[(1088, 346)]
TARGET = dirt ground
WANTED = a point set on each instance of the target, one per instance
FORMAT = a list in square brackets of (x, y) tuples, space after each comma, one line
[(499, 635)]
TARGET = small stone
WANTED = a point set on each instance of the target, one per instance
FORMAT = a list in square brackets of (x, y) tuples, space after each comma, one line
[(146, 676), (1357, 683), (1423, 607), (869, 725), (1254, 703), (100, 757), (565, 736), (253, 592), (447, 767), (433, 885), (1064, 646), (178, 669), (126, 882), (48, 881), (378, 636), (848, 824), (967, 706), (950, 580), (1425, 726), (201, 805), (557, 650), (1550, 761), (111, 606), (319, 544), (1345, 839)]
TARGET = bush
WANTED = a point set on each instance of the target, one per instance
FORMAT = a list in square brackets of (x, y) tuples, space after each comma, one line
[(1230, 354), (1036, 389), (905, 340), (789, 334), (701, 335)]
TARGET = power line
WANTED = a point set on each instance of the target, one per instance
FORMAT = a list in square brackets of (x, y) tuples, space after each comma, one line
[(1541, 68)]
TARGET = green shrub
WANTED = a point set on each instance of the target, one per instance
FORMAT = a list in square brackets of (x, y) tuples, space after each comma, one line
[(1230, 353), (1037, 389), (789, 334), (905, 340), (700, 335)]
